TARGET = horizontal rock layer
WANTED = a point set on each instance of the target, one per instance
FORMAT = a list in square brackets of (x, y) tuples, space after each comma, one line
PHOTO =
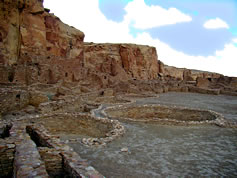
[(36, 47)]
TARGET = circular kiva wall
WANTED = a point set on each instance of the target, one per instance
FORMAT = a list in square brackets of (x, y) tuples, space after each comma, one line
[(96, 130), (162, 114)]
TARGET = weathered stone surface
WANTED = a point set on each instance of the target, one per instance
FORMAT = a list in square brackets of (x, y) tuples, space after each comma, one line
[(204, 90), (233, 82), (13, 99), (107, 92), (165, 115), (202, 82), (174, 72), (36, 46), (27, 161), (7, 149), (111, 63), (53, 161), (73, 165), (36, 98)]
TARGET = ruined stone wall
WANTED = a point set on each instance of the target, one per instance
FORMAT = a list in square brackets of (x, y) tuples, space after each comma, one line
[(7, 151), (36, 47), (53, 161), (13, 99)]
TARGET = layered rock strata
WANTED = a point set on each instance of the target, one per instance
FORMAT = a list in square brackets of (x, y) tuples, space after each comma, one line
[(36, 46)]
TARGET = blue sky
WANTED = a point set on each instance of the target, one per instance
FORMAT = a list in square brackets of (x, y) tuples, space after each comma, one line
[(197, 34), (190, 38)]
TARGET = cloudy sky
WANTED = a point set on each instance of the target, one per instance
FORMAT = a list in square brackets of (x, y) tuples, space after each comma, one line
[(196, 34)]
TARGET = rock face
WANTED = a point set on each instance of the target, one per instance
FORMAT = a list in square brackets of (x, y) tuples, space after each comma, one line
[(174, 72), (202, 82), (36, 46), (121, 62)]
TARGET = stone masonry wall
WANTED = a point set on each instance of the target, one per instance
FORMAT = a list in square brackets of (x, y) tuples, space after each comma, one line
[(53, 161), (7, 151)]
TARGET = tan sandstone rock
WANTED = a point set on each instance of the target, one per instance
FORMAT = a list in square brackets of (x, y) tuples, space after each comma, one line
[(35, 46), (202, 82), (37, 98)]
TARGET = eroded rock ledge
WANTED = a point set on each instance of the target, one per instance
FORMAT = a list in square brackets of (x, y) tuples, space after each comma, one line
[(36, 47)]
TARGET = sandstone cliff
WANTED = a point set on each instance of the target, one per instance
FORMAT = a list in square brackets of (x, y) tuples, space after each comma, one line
[(121, 62), (37, 47)]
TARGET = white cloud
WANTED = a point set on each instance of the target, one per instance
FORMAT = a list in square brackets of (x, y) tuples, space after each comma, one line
[(215, 24), (86, 16), (146, 17), (224, 61), (235, 40)]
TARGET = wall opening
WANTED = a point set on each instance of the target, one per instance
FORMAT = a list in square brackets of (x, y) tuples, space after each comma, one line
[(18, 96), (11, 76), (5, 131), (1, 37)]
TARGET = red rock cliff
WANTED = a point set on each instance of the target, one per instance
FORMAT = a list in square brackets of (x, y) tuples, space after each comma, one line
[(122, 61), (37, 47)]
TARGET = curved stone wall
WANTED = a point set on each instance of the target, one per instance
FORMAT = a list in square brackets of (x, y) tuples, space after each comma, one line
[(165, 115)]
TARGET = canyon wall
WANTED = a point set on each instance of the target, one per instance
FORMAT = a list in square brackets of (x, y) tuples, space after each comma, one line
[(37, 47), (121, 62)]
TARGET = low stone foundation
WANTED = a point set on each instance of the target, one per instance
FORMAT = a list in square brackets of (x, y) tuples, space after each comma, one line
[(204, 90), (13, 98), (30, 151), (99, 130), (166, 115), (72, 164), (27, 161), (53, 161)]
